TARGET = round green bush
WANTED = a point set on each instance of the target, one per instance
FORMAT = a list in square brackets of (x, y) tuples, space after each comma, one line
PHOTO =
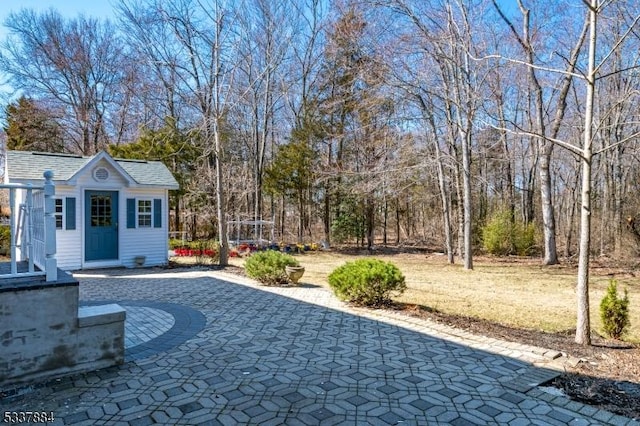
[(268, 267), (367, 282)]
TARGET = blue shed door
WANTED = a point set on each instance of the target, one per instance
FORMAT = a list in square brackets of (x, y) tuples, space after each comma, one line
[(101, 225)]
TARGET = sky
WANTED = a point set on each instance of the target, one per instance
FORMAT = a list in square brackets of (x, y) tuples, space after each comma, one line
[(93, 8), (67, 8)]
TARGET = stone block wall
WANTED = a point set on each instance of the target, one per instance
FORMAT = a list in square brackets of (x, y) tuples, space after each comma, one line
[(43, 334)]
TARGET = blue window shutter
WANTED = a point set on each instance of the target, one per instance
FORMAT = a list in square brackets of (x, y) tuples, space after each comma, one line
[(157, 213), (70, 211), (131, 212)]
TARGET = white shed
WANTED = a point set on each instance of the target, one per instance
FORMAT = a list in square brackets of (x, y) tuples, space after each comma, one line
[(108, 211)]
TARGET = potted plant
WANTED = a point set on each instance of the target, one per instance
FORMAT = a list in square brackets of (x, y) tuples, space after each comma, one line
[(294, 273)]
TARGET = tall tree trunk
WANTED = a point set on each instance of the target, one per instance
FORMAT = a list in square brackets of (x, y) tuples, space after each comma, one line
[(220, 203), (326, 215), (618, 191), (546, 197), (444, 197), (385, 220), (546, 194), (583, 326), (466, 181), (398, 221), (508, 172), (571, 213), (176, 219), (221, 211), (529, 185), (605, 219), (460, 212), (283, 216), (370, 221)]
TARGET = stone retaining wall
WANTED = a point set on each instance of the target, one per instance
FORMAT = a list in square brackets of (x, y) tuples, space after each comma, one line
[(43, 333)]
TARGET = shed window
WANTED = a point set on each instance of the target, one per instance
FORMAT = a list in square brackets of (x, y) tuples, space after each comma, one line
[(59, 213), (144, 213), (65, 213)]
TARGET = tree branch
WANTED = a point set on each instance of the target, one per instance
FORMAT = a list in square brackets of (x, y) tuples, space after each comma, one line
[(618, 43), (571, 148), (620, 142)]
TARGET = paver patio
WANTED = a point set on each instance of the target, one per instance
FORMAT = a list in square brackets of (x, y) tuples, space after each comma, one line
[(204, 347)]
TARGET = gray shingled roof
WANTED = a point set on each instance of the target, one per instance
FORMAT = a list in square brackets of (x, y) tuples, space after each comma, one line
[(31, 165)]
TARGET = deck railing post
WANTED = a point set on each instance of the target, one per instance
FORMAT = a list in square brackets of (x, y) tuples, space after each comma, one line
[(14, 228), (27, 240), (51, 265)]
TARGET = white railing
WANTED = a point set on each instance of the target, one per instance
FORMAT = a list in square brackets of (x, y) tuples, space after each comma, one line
[(33, 229)]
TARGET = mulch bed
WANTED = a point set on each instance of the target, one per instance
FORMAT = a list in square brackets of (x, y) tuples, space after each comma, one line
[(606, 376)]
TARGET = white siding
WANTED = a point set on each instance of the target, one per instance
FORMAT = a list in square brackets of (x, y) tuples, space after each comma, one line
[(113, 183), (69, 242), (150, 242)]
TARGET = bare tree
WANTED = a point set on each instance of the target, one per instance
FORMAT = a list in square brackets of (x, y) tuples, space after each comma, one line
[(446, 36), (585, 151), (74, 65), (525, 40), (267, 27), (199, 64)]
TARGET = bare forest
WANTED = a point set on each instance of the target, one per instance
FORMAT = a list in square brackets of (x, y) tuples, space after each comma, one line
[(371, 122)]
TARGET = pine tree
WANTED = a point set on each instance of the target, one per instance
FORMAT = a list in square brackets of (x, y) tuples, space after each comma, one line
[(31, 127)]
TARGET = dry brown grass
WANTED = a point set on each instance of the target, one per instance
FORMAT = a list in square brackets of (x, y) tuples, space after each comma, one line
[(516, 292)]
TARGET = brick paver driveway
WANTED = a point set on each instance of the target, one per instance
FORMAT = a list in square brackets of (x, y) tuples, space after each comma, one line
[(207, 348)]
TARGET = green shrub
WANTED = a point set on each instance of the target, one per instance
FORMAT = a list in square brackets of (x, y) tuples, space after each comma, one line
[(614, 311), (367, 282), (5, 239), (5, 235), (268, 266), (524, 239), (497, 234), (206, 251), (502, 236), (175, 243), (346, 227)]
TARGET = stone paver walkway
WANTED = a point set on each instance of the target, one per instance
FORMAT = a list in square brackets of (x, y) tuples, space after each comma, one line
[(210, 348)]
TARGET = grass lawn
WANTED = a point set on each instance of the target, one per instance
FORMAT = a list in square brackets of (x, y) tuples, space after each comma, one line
[(515, 292)]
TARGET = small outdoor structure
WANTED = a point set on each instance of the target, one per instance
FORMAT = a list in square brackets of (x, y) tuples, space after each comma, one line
[(250, 232), (108, 212), (43, 331)]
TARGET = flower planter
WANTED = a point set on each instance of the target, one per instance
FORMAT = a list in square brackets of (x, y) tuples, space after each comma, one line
[(294, 273)]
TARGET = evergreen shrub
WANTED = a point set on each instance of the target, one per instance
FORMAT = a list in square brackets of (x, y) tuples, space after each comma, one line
[(367, 282), (268, 267), (346, 227), (614, 311)]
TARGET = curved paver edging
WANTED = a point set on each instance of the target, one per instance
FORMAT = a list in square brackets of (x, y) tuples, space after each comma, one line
[(187, 323)]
